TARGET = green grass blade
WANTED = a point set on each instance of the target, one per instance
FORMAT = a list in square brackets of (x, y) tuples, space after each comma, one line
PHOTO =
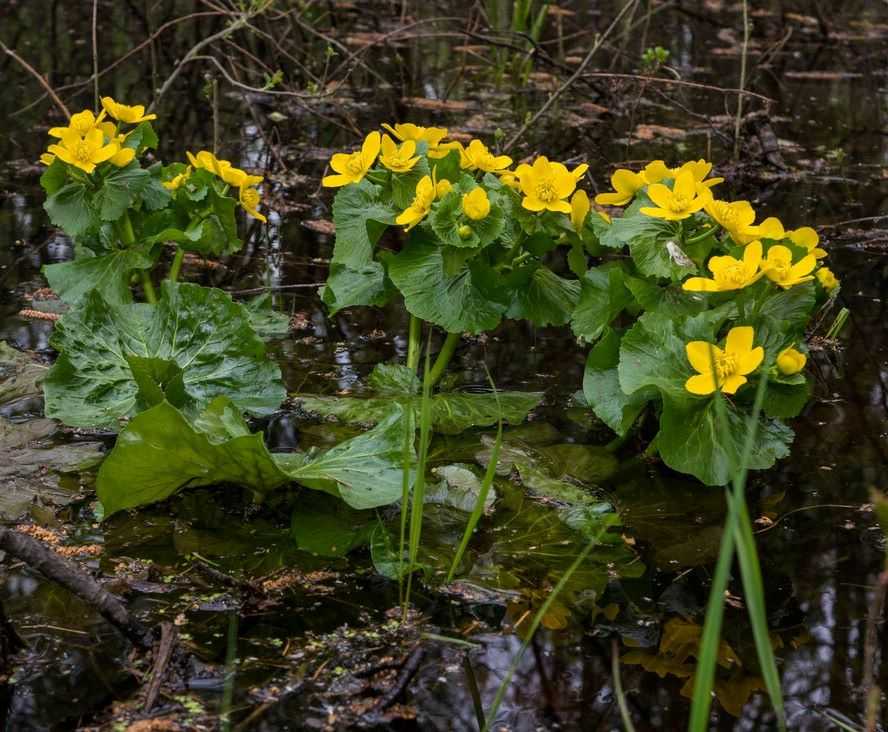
[(534, 625), (489, 475)]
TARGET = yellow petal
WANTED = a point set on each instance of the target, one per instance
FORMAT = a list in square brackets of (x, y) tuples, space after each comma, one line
[(660, 195), (749, 362), (701, 384), (335, 181), (700, 284), (579, 209), (685, 185), (732, 383), (613, 199), (370, 148), (739, 340), (626, 182), (702, 355), (752, 255)]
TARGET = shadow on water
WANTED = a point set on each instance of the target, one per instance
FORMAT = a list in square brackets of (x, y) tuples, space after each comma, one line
[(303, 641)]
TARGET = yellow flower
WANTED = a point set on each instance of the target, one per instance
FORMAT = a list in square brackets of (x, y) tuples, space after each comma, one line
[(735, 217), (476, 204), (47, 158), (432, 136), (778, 267), (579, 209), (236, 177), (124, 113), (682, 201), (477, 157), (205, 160), (442, 187), (725, 370), (174, 183), (625, 184), (657, 170), (511, 180), (398, 158), (580, 171), (808, 238), (729, 273), (84, 152), (83, 122), (249, 200), (827, 279), (124, 156), (790, 361), (422, 204), (352, 167), (545, 185)]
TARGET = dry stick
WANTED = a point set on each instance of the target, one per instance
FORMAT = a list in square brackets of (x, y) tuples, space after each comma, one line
[(576, 75), (742, 80), (95, 39), (36, 555), (677, 82), (37, 75), (161, 661)]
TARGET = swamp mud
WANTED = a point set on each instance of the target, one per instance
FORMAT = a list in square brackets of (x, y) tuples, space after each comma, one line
[(287, 613)]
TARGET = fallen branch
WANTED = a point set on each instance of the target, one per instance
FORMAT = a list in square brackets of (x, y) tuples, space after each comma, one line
[(161, 660), (39, 557)]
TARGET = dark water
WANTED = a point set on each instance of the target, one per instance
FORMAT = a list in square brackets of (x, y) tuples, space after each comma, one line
[(821, 551)]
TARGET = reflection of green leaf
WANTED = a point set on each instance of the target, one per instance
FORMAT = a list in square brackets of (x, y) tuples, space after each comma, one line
[(326, 526), (267, 322), (20, 375), (545, 299), (465, 301), (199, 329), (459, 488), (691, 440), (360, 217), (108, 274), (452, 412), (160, 452)]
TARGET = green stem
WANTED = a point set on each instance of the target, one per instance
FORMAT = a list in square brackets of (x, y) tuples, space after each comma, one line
[(414, 345), (444, 356), (176, 266), (148, 287), (125, 229)]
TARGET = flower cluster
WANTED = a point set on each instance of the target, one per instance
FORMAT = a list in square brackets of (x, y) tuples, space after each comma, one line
[(248, 193), (754, 251)]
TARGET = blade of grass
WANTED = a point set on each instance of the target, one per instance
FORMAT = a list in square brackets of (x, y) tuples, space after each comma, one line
[(489, 475), (535, 623), (418, 503), (625, 716)]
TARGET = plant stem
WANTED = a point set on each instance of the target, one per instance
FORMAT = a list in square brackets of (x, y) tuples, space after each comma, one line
[(148, 287), (414, 344), (444, 356), (176, 266)]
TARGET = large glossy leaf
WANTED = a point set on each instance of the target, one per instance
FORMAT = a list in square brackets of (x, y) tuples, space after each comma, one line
[(348, 286), (468, 300), (108, 274), (161, 451), (69, 207), (201, 330), (691, 440), (602, 297), (360, 217), (544, 298)]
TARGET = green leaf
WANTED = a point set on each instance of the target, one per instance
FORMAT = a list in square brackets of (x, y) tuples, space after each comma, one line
[(54, 177), (652, 355), (633, 226), (119, 191), (159, 452), (360, 217), (355, 286), (108, 274), (691, 440), (266, 322), (669, 300), (143, 136), (660, 255), (392, 379), (468, 301), (602, 297), (601, 386), (201, 330), (20, 374), (404, 184), (71, 210), (786, 400), (544, 299), (448, 218), (157, 380)]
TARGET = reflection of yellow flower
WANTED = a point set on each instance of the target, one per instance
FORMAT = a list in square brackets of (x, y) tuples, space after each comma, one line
[(432, 136), (579, 209), (790, 361), (778, 267), (545, 185), (476, 204), (249, 200), (352, 167), (827, 279), (84, 152), (83, 122), (725, 370), (729, 273), (422, 204), (808, 238), (124, 113), (398, 158), (682, 201), (477, 157), (625, 184)]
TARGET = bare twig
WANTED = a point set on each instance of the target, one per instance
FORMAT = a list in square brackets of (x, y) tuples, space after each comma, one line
[(678, 82), (161, 660), (37, 75), (576, 75)]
